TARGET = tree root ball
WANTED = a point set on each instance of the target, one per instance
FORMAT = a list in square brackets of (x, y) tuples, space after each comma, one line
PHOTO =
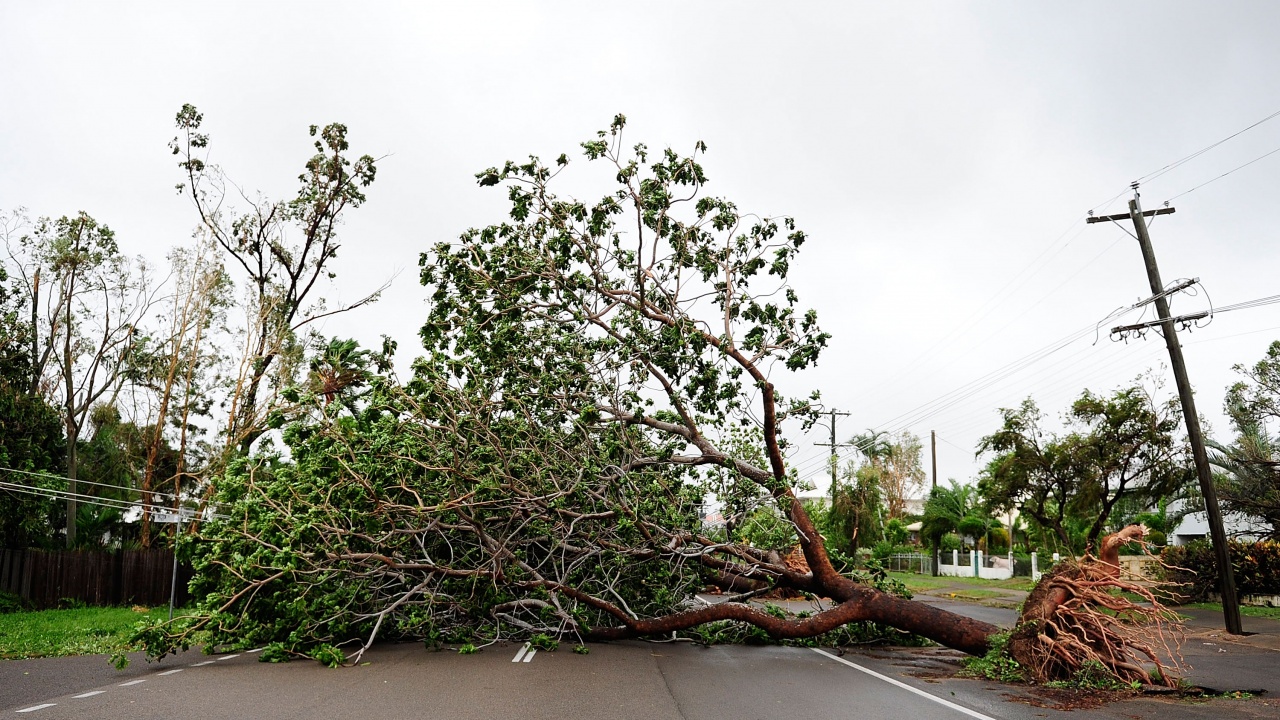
[(1076, 624)]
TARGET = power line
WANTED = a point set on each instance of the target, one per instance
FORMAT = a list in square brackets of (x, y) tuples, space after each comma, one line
[(77, 481), (1197, 187), (1157, 173), (807, 468), (92, 499), (1248, 304)]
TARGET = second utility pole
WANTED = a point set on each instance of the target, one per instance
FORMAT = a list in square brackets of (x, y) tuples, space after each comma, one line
[(933, 447), (1230, 603), (833, 445)]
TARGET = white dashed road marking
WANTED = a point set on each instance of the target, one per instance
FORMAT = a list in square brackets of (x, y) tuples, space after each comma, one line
[(529, 656), (904, 686), (91, 693), (521, 652)]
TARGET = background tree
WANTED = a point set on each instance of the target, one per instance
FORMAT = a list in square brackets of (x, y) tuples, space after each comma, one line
[(31, 453), (855, 517), (1250, 482), (31, 442), (285, 249), (895, 463), (955, 509), (172, 374), (1119, 446), (86, 301)]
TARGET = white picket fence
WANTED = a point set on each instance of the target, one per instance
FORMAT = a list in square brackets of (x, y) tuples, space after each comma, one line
[(977, 564)]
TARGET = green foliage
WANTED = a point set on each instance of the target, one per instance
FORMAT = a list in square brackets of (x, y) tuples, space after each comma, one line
[(320, 524), (997, 664), (895, 532), (469, 649), (883, 549), (1249, 483), (581, 649), (31, 440), (328, 655), (1092, 675), (766, 528), (541, 474), (276, 652), (854, 518), (952, 510), (1120, 446), (1194, 568), (543, 641)]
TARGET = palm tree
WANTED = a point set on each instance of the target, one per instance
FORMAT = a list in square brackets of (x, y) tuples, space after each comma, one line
[(956, 509), (1250, 484), (342, 366)]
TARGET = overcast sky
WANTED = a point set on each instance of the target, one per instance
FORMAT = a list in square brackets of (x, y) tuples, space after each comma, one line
[(942, 157)]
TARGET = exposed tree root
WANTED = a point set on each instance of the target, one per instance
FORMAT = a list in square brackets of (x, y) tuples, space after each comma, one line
[(1075, 623)]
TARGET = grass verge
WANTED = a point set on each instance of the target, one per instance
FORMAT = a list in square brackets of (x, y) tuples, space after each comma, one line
[(1250, 610), (81, 631), (926, 582)]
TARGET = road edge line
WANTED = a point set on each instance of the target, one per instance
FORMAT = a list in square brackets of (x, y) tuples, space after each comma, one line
[(904, 686)]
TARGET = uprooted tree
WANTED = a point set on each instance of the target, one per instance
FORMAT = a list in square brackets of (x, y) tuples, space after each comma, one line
[(542, 474)]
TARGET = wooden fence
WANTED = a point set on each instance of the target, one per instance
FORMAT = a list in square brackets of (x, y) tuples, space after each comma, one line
[(126, 577)]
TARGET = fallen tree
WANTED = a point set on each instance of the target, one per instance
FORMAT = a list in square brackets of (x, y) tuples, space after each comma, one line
[(543, 473), (1075, 622)]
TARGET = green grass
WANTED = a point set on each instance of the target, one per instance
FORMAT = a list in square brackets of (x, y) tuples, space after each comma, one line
[(917, 583), (55, 633), (1250, 610), (926, 582)]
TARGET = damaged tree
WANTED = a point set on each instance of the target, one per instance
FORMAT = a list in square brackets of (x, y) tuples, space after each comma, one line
[(543, 471), (1074, 619)]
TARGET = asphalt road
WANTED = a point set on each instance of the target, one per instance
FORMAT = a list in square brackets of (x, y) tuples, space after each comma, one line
[(622, 680)]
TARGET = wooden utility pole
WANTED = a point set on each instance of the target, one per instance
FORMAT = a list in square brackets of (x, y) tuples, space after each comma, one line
[(833, 444), (1230, 603), (933, 448)]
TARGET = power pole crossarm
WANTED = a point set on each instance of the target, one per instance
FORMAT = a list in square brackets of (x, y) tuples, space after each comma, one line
[(1128, 216)]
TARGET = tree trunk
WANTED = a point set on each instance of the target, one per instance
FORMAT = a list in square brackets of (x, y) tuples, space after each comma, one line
[(1073, 620), (73, 437)]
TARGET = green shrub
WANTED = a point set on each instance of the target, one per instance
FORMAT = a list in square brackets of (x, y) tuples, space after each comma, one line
[(1256, 567), (884, 549), (10, 603)]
